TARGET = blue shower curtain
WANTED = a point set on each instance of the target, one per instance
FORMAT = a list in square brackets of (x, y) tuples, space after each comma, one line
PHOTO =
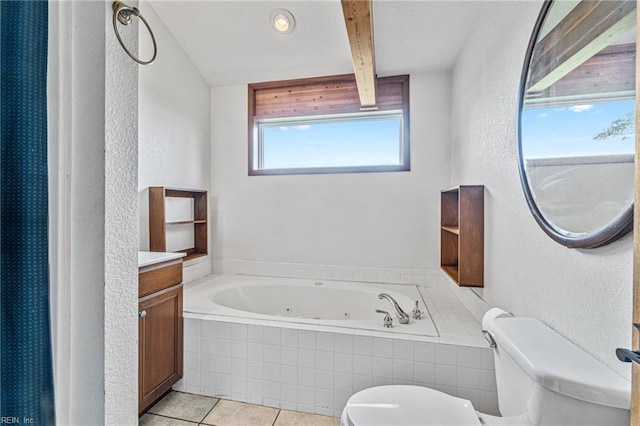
[(26, 378)]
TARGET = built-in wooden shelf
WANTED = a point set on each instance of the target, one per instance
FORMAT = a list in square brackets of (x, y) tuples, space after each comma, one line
[(452, 229), (158, 223), (462, 234), (185, 222)]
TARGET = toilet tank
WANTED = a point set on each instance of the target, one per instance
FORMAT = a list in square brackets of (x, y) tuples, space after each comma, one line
[(544, 379)]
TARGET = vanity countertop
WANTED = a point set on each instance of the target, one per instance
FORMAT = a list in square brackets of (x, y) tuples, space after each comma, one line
[(146, 258)]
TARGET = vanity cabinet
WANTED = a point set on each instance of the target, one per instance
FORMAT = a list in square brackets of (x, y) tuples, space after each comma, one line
[(160, 330), (462, 234)]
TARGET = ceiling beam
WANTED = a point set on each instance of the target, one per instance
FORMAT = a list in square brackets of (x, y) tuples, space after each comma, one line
[(608, 76), (585, 31), (358, 18)]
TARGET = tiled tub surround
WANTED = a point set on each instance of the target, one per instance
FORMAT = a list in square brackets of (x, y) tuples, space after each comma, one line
[(316, 369)]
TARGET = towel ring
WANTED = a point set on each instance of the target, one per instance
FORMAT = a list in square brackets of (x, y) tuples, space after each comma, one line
[(122, 13)]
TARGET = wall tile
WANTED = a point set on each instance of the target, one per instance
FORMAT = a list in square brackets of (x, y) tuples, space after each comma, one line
[(306, 376), (306, 339), (469, 357), (271, 372), (469, 378), (255, 334), (402, 369), (424, 352), (239, 332), (325, 341), (223, 330), (271, 354), (239, 349), (324, 360), (255, 351), (363, 345), (207, 328), (271, 335), (361, 382), (424, 373), (343, 382), (239, 367), (192, 326), (289, 337), (446, 354), (382, 367), (382, 348), (207, 362), (289, 374), (446, 375), (324, 379), (192, 344), (222, 347), (289, 393), (324, 399), (307, 358), (306, 395), (223, 365), (255, 369), (343, 362), (344, 343), (288, 356), (363, 365), (403, 349), (255, 387), (486, 359), (488, 380)]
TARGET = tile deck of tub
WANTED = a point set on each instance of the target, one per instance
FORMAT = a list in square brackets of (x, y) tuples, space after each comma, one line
[(184, 409)]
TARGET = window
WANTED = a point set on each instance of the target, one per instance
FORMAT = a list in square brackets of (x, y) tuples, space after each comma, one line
[(316, 126)]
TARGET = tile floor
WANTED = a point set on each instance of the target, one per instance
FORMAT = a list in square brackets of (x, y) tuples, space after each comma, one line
[(185, 409)]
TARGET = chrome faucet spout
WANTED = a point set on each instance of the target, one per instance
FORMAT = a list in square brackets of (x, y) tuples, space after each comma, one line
[(403, 317)]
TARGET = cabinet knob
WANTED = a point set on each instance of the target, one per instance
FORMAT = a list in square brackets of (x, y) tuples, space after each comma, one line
[(142, 314)]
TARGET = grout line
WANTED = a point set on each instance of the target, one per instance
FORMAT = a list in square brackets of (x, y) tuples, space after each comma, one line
[(172, 418), (276, 419), (208, 412)]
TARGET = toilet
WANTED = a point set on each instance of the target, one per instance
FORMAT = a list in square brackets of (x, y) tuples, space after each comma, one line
[(542, 379)]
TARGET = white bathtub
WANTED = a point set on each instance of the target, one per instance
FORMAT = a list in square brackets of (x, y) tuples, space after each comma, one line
[(309, 303)]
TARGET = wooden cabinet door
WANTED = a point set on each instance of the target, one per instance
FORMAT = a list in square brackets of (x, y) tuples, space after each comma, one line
[(160, 344)]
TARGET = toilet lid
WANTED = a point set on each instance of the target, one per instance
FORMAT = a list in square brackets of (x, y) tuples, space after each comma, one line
[(408, 405)]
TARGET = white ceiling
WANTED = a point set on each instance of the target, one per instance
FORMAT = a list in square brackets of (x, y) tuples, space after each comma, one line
[(232, 42)]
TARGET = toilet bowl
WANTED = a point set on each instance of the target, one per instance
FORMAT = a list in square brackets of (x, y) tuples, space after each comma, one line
[(542, 380)]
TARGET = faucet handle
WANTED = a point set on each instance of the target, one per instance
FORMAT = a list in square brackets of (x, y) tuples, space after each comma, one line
[(417, 313), (387, 321)]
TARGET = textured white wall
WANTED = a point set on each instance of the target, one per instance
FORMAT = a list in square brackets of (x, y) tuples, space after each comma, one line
[(583, 294), (93, 101), (174, 136), (120, 226), (359, 219)]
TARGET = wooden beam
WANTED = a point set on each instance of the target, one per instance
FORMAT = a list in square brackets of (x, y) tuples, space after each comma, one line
[(609, 76), (586, 30), (358, 18)]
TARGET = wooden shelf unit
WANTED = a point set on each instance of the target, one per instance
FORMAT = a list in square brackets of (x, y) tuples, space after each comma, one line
[(462, 234), (158, 223)]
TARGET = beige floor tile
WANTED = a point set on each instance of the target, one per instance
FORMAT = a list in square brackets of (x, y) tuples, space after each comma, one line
[(293, 418), (184, 406), (153, 420), (232, 413)]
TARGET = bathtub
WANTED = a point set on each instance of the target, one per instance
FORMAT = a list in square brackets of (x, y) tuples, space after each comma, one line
[(308, 345), (312, 304)]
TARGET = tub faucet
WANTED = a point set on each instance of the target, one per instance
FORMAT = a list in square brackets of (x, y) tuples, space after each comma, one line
[(403, 317)]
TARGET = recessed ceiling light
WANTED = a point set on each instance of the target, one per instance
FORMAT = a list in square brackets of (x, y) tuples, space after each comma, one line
[(282, 21)]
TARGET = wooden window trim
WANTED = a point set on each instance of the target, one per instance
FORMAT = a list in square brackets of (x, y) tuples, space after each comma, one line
[(309, 100)]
